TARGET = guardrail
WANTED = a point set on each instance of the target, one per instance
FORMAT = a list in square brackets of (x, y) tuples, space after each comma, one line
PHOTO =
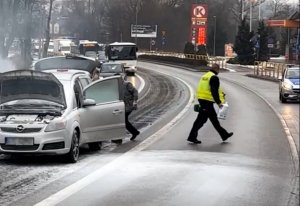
[(261, 68), (211, 60), (269, 69)]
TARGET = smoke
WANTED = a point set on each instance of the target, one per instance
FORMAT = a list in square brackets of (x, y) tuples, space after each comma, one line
[(6, 65)]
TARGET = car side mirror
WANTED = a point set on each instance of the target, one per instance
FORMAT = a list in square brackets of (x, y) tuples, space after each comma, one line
[(89, 102)]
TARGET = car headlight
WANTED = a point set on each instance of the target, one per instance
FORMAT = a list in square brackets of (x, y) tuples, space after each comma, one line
[(287, 86), (56, 125)]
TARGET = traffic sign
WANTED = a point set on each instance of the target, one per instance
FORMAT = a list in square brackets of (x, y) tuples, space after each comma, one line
[(200, 12), (56, 28), (257, 44), (163, 40), (298, 47), (270, 45)]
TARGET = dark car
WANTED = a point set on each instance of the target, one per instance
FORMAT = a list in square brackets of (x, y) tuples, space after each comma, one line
[(77, 62), (111, 68)]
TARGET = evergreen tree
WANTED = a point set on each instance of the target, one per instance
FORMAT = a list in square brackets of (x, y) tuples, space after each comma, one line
[(189, 48), (201, 50), (243, 45), (262, 40)]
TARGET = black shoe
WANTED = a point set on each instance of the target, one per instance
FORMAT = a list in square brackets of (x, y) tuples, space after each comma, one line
[(195, 141), (134, 136), (229, 135)]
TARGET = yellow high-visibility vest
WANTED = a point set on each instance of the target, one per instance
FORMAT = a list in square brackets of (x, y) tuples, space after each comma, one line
[(203, 90)]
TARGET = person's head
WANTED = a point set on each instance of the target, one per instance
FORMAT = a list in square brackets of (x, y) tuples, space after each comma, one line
[(215, 68)]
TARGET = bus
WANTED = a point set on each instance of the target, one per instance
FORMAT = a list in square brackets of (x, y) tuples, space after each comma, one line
[(125, 53), (89, 48)]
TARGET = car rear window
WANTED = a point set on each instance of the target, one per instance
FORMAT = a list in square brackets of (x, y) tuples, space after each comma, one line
[(111, 68)]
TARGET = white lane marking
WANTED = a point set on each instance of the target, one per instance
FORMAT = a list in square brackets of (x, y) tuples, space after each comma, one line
[(87, 180), (142, 83), (291, 141)]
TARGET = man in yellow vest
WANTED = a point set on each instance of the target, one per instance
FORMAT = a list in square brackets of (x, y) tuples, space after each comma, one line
[(208, 93)]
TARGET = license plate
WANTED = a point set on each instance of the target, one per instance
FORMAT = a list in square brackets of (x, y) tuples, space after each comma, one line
[(18, 141)]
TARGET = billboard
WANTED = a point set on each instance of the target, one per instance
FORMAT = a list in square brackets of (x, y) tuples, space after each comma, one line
[(198, 32), (145, 31)]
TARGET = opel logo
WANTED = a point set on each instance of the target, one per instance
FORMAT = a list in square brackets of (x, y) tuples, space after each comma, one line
[(20, 128)]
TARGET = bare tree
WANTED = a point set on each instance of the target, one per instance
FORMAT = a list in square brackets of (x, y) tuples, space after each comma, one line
[(8, 24), (47, 33), (279, 8)]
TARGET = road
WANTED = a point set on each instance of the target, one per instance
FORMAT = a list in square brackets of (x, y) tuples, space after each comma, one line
[(254, 167)]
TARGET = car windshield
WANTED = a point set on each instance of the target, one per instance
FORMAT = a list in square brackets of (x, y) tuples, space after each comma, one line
[(91, 54), (293, 74), (122, 53), (111, 68), (65, 48), (65, 63)]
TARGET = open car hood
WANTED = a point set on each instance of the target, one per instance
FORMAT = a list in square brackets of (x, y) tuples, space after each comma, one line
[(29, 84)]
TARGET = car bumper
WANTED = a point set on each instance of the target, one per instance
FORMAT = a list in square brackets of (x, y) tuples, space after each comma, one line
[(291, 94), (43, 142)]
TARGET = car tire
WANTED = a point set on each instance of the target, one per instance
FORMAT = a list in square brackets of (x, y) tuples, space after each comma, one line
[(282, 99), (95, 146), (73, 155), (117, 141)]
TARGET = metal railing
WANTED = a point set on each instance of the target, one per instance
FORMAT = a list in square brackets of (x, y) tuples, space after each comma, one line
[(269, 69)]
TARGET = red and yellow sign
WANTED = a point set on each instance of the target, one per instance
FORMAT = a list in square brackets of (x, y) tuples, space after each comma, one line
[(202, 35), (199, 14), (283, 23)]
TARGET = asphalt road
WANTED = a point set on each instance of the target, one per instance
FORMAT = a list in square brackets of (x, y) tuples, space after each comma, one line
[(254, 167), (22, 177)]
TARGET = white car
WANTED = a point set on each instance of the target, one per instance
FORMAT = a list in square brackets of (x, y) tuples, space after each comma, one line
[(51, 48), (289, 85), (57, 111)]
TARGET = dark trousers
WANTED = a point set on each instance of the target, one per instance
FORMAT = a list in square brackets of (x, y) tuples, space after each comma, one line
[(207, 111), (129, 126)]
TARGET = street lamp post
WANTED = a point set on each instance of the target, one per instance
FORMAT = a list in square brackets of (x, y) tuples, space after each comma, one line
[(250, 16), (215, 29), (242, 9), (259, 2), (136, 20)]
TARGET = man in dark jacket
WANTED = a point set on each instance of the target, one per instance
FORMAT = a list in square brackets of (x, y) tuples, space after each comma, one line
[(208, 93), (130, 100)]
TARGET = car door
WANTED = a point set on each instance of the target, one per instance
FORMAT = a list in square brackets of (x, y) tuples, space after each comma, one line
[(106, 119)]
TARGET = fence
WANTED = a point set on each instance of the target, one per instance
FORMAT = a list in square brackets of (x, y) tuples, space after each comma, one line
[(269, 69), (261, 68)]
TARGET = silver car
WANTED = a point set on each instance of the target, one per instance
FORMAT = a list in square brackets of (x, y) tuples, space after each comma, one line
[(109, 69), (57, 111), (289, 85)]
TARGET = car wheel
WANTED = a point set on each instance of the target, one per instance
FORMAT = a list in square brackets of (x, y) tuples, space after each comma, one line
[(282, 99), (95, 146), (73, 154), (117, 141)]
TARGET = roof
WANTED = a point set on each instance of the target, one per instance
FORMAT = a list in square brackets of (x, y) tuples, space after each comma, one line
[(78, 62), (65, 74), (122, 43)]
